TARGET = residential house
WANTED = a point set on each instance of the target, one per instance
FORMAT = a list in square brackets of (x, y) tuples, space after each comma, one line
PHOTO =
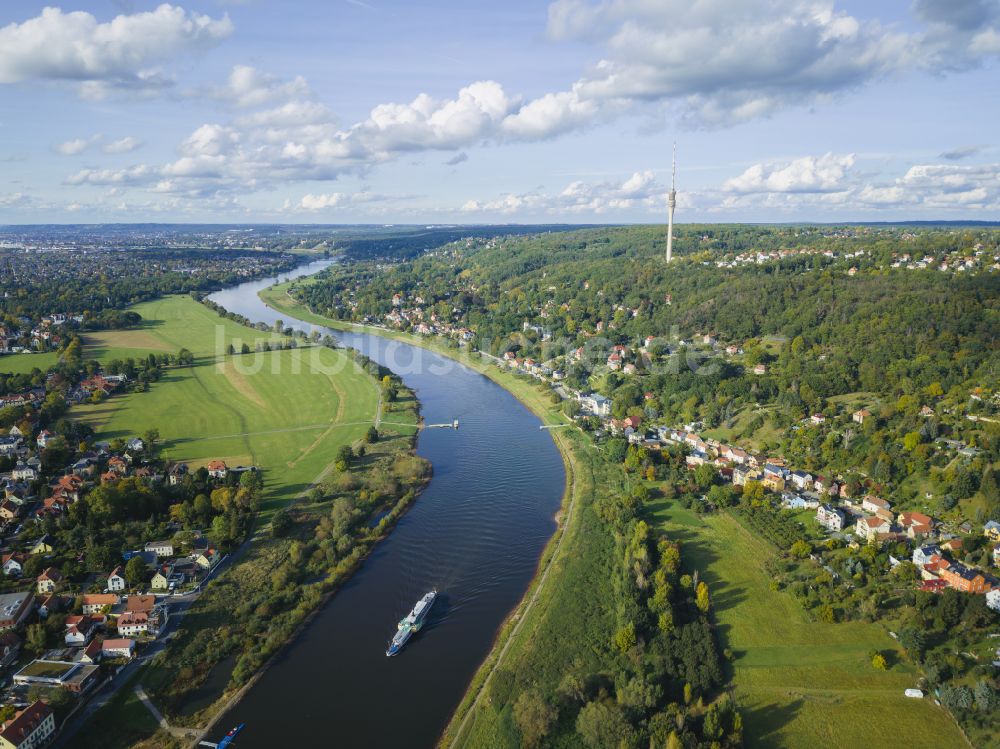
[(967, 579), (116, 580), (206, 559), (50, 604), (873, 504), (13, 564), (133, 623), (869, 528), (96, 603), (9, 510), (915, 524), (30, 728), (160, 580), (993, 599), (992, 530), (44, 545), (860, 415), (217, 469), (176, 473), (925, 554), (10, 647), (119, 647), (801, 479), (161, 548), (23, 472), (43, 438), (760, 369), (140, 604), (92, 652), (596, 404), (794, 501), (49, 581), (830, 518), (79, 630)]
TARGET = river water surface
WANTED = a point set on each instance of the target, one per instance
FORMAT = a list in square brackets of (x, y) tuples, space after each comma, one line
[(475, 534)]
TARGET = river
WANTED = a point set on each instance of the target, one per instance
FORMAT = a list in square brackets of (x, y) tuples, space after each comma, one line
[(476, 534)]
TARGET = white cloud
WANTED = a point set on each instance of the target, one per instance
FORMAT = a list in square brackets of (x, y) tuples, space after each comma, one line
[(828, 182), (136, 175), (122, 145), (808, 174), (119, 54), (323, 201), (77, 145), (639, 191), (725, 61), (14, 200), (249, 87), (550, 115)]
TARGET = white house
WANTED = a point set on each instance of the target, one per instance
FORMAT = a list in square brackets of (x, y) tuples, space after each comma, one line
[(116, 580), (120, 647), (830, 518), (993, 599), (161, 548)]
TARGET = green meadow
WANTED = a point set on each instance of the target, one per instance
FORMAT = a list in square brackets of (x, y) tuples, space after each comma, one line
[(800, 682), (286, 411), (24, 363)]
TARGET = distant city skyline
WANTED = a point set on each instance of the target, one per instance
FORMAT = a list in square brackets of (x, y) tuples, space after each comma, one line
[(390, 112)]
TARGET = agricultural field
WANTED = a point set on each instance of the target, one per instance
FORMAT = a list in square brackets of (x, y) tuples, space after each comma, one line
[(286, 411), (800, 682)]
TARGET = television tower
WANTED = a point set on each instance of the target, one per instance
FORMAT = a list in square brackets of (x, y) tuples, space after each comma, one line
[(671, 204)]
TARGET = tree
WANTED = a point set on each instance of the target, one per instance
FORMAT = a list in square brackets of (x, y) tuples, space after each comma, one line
[(36, 638), (371, 435), (203, 508), (702, 600), (625, 638), (281, 523), (879, 663), (136, 571), (910, 441), (705, 475), (800, 549), (99, 558), (753, 491), (534, 716), (602, 725), (245, 348)]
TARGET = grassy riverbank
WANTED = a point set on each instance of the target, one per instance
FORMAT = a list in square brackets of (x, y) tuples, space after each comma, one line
[(799, 682), (291, 412), (563, 603)]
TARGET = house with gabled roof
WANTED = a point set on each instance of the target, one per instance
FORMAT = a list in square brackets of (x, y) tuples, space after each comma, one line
[(49, 581)]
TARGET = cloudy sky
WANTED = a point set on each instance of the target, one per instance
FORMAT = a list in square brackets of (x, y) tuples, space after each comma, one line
[(520, 111)]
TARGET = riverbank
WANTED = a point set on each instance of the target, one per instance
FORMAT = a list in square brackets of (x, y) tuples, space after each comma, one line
[(587, 477), (816, 703), (242, 620)]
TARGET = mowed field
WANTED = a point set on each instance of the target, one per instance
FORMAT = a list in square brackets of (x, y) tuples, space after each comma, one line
[(285, 411), (800, 683), (24, 363)]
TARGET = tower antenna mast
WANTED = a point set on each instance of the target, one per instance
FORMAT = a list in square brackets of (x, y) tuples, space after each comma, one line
[(671, 204)]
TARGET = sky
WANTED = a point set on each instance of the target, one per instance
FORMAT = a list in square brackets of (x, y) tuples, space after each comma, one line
[(455, 111)]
